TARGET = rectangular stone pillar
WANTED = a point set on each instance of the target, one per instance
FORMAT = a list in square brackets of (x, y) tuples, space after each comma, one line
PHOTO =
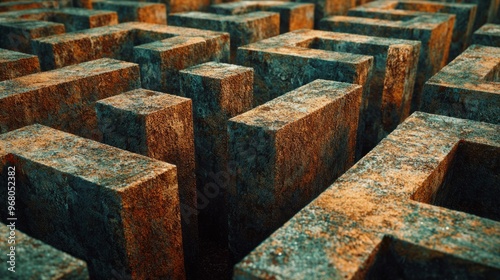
[(487, 35), (15, 64), (133, 11)]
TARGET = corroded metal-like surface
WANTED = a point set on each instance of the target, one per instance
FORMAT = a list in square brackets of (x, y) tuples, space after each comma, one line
[(15, 64), (487, 35), (219, 92), (64, 98), (117, 210), (34, 259), (469, 87), (286, 152), (433, 30), (487, 10), (375, 220), (159, 126), (134, 11)]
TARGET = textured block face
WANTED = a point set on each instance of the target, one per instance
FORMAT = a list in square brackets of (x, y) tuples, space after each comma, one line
[(286, 152), (293, 16), (33, 258), (159, 126), (244, 29), (24, 5), (434, 31), (282, 64), (377, 221), (134, 11), (469, 87), (73, 18), (464, 17), (65, 98), (487, 35), (15, 64), (324, 8), (486, 10), (115, 209), (219, 92), (17, 34)]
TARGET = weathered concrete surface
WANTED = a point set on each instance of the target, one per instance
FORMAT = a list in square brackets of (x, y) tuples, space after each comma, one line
[(433, 30), (73, 18), (293, 16), (244, 29), (117, 210), (464, 17), (372, 214), (324, 8), (282, 64), (6, 6), (17, 34), (161, 51), (159, 126), (487, 35), (286, 152), (15, 64), (133, 11), (37, 260), (219, 92), (65, 98), (487, 10), (468, 87)]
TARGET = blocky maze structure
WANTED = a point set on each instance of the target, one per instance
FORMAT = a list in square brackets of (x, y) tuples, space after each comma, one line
[(217, 139)]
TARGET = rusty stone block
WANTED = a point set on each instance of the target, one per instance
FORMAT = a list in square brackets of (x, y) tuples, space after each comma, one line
[(117, 210), (134, 11), (65, 98), (244, 29), (380, 220), (468, 87), (325, 8), (159, 126), (15, 64), (293, 16), (434, 31), (219, 92), (33, 258), (7, 6), (487, 35), (161, 51), (285, 153), (464, 17), (17, 34), (73, 18), (486, 10)]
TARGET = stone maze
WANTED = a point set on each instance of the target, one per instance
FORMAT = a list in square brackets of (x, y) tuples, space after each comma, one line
[(252, 139)]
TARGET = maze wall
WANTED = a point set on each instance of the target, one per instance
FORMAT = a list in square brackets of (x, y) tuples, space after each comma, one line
[(223, 139)]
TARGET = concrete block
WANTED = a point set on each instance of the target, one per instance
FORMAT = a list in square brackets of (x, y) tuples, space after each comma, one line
[(420, 205), (7, 6), (65, 98), (219, 92), (293, 16), (15, 64), (116, 210), (34, 259), (134, 11), (244, 29), (487, 35), (434, 31), (286, 152), (159, 126), (487, 10), (325, 8), (17, 34), (468, 87)]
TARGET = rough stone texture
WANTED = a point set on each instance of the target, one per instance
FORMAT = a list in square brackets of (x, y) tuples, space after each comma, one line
[(464, 17), (159, 126), (116, 210), (6, 6), (324, 8), (37, 260), (293, 16), (486, 10), (15, 64), (133, 11), (244, 29), (161, 51), (487, 35), (73, 18), (377, 221), (282, 64), (468, 87), (285, 153), (65, 98), (433, 30), (17, 34), (219, 92)]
